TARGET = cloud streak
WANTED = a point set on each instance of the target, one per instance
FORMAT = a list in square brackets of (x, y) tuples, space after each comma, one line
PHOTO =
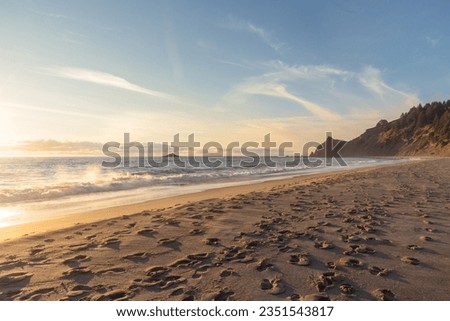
[(265, 36), (371, 79), (335, 99), (104, 79), (50, 146), (279, 90), (48, 110)]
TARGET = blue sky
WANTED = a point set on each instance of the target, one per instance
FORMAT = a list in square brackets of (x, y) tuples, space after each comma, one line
[(88, 71)]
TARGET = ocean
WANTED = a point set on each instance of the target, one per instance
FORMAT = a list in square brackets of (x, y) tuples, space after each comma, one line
[(34, 189)]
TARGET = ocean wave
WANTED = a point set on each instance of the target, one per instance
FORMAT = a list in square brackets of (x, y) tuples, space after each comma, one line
[(59, 178), (120, 181)]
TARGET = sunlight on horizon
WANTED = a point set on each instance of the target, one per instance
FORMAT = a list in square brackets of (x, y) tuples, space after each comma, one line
[(6, 214)]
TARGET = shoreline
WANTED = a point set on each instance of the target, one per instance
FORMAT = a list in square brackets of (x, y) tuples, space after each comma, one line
[(379, 233), (87, 217)]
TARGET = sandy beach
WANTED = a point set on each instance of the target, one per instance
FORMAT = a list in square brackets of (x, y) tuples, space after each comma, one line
[(378, 233)]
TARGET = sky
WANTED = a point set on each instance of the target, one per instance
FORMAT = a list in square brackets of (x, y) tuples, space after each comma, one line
[(78, 74)]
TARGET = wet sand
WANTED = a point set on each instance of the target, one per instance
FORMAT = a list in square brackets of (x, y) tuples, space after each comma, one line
[(369, 234)]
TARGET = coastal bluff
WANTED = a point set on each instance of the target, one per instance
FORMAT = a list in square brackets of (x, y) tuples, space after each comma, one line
[(423, 131)]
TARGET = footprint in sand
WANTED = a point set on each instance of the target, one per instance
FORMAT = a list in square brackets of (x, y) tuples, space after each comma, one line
[(204, 268), (39, 260), (294, 297), (300, 259), (112, 242), (425, 238), (263, 265), (414, 247), (76, 295), (274, 286), (350, 238), (76, 259), (183, 263), (168, 242), (77, 272), (177, 292), (37, 249), (148, 232), (14, 277), (250, 245), (347, 289), (223, 295), (171, 281), (200, 256), (325, 245), (11, 263), (351, 262), (234, 253), (361, 249), (115, 295), (315, 297), (138, 257), (325, 280), (364, 249), (78, 291), (227, 273), (196, 232), (212, 241), (37, 294), (81, 246), (116, 270), (375, 270), (246, 259), (285, 248), (384, 294), (410, 260), (156, 271), (158, 277), (173, 222)]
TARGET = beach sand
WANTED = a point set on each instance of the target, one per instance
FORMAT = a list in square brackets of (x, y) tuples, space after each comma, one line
[(367, 234)]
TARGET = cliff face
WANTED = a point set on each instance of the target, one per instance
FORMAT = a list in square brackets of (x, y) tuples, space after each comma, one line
[(423, 131)]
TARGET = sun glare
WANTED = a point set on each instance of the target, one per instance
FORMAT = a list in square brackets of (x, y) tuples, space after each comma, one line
[(6, 214)]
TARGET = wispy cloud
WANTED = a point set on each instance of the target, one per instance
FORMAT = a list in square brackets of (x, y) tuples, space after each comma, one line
[(282, 71), (370, 78), (48, 110), (232, 63), (279, 90), (49, 14), (105, 79), (346, 101), (50, 146), (265, 36)]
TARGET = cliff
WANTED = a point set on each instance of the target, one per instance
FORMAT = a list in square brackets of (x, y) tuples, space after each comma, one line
[(423, 131)]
